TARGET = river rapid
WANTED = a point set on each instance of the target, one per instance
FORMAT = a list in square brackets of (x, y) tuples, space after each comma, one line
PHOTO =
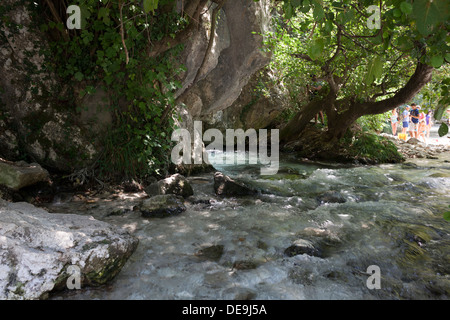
[(347, 217)]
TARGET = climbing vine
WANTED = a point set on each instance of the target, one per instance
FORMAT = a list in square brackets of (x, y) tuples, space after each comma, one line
[(118, 50)]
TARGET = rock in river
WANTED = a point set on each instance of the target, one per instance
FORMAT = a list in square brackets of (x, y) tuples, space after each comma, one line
[(330, 197), (175, 184), (162, 206), (37, 248), (225, 186), (303, 247)]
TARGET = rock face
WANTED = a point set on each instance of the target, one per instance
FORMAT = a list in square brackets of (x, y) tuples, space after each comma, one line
[(253, 108), (32, 119), (37, 248), (175, 184), (162, 206), (225, 186), (235, 57), (21, 174), (221, 96)]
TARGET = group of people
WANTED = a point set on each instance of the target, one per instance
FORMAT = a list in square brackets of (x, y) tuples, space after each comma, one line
[(417, 123)]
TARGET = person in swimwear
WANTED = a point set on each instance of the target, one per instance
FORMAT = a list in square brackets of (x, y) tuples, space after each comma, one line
[(394, 121)]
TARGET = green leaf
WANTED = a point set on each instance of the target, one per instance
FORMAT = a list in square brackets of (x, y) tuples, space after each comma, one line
[(150, 5), (443, 130), (288, 10), (316, 48), (375, 70), (397, 13), (406, 7), (85, 15), (429, 13), (378, 67), (328, 26), (306, 6), (103, 14), (318, 12), (296, 3), (79, 76), (437, 61), (440, 112)]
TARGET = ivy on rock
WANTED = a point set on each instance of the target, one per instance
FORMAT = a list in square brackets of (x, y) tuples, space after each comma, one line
[(118, 50)]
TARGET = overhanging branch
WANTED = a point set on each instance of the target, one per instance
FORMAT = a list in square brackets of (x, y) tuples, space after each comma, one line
[(422, 75)]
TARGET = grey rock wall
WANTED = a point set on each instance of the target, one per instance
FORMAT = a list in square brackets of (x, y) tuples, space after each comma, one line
[(33, 121), (235, 58)]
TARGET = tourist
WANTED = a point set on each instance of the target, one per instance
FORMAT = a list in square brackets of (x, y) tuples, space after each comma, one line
[(422, 128), (428, 123), (405, 120), (394, 121), (414, 124)]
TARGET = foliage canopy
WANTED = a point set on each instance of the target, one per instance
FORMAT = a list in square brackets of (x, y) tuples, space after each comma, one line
[(373, 55)]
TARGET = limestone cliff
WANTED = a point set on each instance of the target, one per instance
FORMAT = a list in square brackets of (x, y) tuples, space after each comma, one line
[(37, 124)]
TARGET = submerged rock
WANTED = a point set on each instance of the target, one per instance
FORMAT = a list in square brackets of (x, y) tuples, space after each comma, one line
[(303, 247), (211, 253), (245, 265), (238, 293), (225, 186), (331, 197), (162, 206), (37, 248), (175, 184), (17, 175)]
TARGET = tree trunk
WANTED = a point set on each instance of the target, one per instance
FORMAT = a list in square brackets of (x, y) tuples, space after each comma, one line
[(296, 126), (338, 126)]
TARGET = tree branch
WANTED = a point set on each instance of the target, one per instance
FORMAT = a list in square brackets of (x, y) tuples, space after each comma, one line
[(122, 32), (418, 80), (338, 49), (302, 56), (57, 18)]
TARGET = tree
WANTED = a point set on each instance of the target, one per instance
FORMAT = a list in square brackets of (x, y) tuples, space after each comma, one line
[(373, 55)]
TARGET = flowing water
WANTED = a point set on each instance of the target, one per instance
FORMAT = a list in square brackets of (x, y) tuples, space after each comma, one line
[(351, 217)]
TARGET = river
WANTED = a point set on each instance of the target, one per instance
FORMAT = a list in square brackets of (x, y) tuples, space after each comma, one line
[(350, 217)]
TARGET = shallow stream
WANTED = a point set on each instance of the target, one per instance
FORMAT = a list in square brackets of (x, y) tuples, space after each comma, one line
[(351, 217)]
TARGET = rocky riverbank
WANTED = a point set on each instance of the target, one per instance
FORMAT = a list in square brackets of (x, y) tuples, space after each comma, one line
[(414, 148)]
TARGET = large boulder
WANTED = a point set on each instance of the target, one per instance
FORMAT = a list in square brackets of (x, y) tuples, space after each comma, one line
[(21, 174), (37, 116), (225, 186), (175, 184), (235, 56), (39, 249)]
